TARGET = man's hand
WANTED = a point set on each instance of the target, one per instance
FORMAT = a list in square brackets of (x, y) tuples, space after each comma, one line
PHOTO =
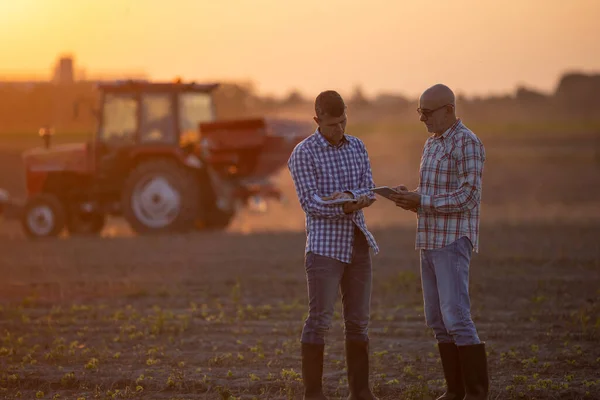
[(407, 200), (400, 188), (362, 202)]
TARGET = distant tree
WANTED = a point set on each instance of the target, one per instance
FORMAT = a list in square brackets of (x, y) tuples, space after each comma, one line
[(525, 95), (579, 93), (267, 102), (235, 99), (394, 99), (294, 98), (358, 98)]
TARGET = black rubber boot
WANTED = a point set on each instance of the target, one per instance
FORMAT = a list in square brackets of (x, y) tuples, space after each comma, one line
[(473, 362), (357, 361), (452, 372), (312, 371)]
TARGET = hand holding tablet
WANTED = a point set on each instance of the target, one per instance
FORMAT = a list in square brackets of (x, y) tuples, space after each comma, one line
[(385, 191)]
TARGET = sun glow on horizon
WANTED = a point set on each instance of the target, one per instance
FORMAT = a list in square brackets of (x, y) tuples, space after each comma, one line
[(389, 46)]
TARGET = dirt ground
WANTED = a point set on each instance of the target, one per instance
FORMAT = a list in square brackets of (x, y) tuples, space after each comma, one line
[(219, 315)]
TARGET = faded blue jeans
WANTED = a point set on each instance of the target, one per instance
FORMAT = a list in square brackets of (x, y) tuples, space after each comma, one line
[(445, 282), (325, 276)]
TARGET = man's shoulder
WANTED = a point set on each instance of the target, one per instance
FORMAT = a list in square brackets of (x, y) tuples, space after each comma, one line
[(467, 142), (464, 135), (352, 138), (303, 148), (355, 141), (305, 144)]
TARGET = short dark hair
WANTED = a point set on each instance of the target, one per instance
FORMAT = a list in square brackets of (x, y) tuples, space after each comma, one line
[(329, 103)]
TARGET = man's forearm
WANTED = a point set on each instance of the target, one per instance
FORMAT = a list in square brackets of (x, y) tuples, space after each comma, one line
[(325, 211), (362, 192), (458, 201)]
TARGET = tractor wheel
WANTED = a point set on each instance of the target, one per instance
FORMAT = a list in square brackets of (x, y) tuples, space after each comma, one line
[(161, 196), (43, 216), (82, 223)]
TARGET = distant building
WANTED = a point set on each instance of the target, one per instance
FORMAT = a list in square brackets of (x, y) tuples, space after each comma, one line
[(63, 72)]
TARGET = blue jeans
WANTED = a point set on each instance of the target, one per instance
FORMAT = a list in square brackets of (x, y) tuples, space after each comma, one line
[(445, 282), (325, 276)]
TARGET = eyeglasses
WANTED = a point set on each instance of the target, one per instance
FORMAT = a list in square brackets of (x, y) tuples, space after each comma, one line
[(427, 113)]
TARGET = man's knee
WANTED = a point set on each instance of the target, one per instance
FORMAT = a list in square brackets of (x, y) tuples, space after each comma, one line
[(433, 316)]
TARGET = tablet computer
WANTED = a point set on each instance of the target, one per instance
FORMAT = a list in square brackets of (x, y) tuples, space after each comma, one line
[(384, 191)]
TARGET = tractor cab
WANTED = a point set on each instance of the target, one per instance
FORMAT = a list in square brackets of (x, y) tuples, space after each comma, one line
[(142, 113), (148, 116)]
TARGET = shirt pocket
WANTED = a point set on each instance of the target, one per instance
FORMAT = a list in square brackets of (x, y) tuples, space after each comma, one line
[(435, 156), (441, 158)]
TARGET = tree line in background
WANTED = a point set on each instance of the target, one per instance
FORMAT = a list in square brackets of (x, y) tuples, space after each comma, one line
[(24, 108), (577, 96)]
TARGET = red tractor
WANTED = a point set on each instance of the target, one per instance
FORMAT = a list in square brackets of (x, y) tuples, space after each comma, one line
[(160, 160)]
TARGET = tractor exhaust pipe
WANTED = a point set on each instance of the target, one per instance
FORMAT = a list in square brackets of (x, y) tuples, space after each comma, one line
[(46, 133)]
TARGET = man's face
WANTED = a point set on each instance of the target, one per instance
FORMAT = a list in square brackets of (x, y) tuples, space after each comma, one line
[(333, 128), (434, 114)]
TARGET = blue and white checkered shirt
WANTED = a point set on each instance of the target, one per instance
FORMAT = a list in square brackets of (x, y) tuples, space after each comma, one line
[(319, 167)]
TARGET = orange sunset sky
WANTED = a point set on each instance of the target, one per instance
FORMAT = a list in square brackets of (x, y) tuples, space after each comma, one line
[(477, 47)]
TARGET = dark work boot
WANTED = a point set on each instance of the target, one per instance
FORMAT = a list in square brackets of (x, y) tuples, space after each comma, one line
[(452, 372), (473, 362), (357, 361), (312, 371)]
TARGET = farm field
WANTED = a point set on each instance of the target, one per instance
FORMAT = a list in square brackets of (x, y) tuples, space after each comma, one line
[(218, 315)]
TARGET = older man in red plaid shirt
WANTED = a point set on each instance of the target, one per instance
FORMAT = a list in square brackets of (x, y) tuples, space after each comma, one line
[(447, 203)]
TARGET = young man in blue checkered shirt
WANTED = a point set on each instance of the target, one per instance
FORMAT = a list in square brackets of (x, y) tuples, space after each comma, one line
[(334, 165)]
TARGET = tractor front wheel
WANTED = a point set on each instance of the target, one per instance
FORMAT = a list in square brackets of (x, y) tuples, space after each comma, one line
[(43, 216), (161, 196)]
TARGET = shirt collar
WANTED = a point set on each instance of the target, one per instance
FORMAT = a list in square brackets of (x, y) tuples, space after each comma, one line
[(325, 143), (448, 132)]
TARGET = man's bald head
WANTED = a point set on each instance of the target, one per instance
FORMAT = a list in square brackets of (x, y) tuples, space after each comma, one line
[(437, 107), (437, 96)]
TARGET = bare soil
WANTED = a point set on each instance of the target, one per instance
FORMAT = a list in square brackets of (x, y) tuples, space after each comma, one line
[(219, 315)]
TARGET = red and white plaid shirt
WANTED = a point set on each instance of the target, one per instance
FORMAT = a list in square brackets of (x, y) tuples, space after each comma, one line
[(450, 187)]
